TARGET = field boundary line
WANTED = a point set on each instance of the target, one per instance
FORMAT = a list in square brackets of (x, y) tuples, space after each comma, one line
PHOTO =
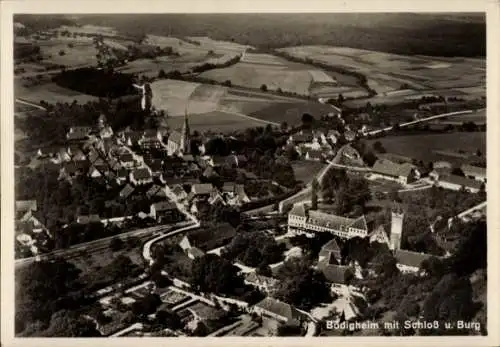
[(248, 117)]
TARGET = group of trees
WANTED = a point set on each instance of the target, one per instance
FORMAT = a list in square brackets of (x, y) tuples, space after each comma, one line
[(443, 294), (100, 83), (255, 249), (45, 291), (214, 274), (348, 194), (301, 285)]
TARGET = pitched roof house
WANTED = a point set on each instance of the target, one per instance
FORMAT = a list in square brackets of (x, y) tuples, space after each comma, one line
[(279, 310), (141, 176), (209, 238), (404, 173), (408, 261)]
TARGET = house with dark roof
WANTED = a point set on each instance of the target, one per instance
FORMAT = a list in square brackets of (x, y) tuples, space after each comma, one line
[(474, 172), (379, 235), (202, 190), (165, 211), (127, 160), (177, 191), (316, 155), (408, 261), (78, 133), (331, 248), (72, 169), (132, 138), (126, 191), (122, 176), (141, 176), (87, 219), (234, 194), (24, 207), (279, 310), (156, 191), (151, 138), (404, 173), (303, 220), (208, 238), (266, 284), (455, 182)]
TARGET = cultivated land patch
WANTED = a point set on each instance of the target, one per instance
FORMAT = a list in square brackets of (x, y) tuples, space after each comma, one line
[(426, 146), (174, 96), (49, 92), (215, 45), (255, 70), (380, 68), (82, 53), (216, 122), (87, 29)]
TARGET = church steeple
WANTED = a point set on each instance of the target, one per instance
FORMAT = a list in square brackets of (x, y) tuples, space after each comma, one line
[(185, 145)]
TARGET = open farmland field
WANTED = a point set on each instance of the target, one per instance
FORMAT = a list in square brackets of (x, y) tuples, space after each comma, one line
[(216, 122), (386, 72), (215, 45), (291, 112), (82, 53), (87, 29), (476, 117), (255, 108), (49, 92), (255, 70), (424, 147)]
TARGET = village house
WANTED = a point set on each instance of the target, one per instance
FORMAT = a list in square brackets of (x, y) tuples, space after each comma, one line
[(315, 155), (177, 191), (267, 285), (455, 182), (72, 169), (236, 160), (234, 194), (122, 176), (141, 176), (408, 261), (156, 191), (151, 139), (132, 138), (206, 239), (201, 191), (106, 132), (402, 173), (126, 191), (47, 152), (300, 138), (474, 172), (164, 211), (88, 219), (78, 133), (127, 160), (302, 220), (379, 235), (331, 248), (281, 311), (337, 275)]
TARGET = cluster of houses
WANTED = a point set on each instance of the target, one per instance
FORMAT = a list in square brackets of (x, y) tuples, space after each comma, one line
[(31, 233)]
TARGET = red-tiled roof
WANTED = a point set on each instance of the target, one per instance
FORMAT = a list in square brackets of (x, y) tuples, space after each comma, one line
[(461, 181), (333, 273)]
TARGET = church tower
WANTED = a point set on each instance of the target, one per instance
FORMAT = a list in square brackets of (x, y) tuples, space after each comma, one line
[(397, 216), (185, 143)]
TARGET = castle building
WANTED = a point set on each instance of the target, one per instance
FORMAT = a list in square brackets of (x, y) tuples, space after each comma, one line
[(302, 220), (180, 142)]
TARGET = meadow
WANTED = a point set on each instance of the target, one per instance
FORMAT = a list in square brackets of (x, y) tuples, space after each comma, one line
[(49, 92), (387, 72), (425, 146)]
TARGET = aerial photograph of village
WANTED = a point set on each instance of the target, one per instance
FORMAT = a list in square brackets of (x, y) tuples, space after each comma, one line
[(250, 175)]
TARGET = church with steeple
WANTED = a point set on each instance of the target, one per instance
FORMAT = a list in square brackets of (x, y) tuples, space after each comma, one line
[(179, 142)]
